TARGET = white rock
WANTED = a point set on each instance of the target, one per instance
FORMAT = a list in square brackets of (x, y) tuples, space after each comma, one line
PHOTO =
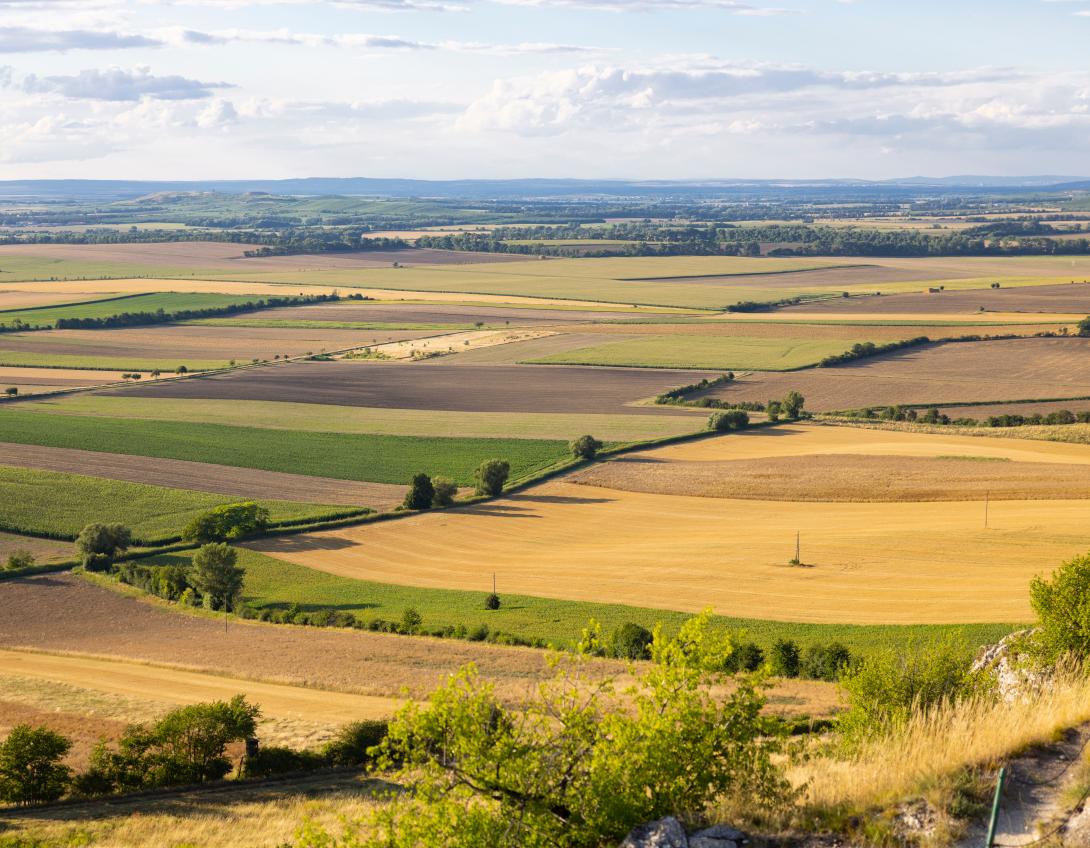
[(664, 833)]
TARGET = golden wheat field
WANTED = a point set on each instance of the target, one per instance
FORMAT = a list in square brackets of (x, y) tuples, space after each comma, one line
[(868, 563)]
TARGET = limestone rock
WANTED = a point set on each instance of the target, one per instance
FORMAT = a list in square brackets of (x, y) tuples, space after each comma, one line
[(664, 833)]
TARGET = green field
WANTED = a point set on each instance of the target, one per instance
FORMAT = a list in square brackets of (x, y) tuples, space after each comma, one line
[(169, 302), (315, 417), (374, 458), (704, 352), (60, 505), (275, 584), (24, 359), (24, 268)]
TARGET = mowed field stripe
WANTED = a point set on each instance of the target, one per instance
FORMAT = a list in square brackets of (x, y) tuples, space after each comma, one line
[(868, 563), (246, 483), (137, 680)]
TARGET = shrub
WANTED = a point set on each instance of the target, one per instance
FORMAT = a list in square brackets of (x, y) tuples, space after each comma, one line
[(748, 656), (216, 576), (773, 409), (274, 759), (1062, 604), (421, 493), (444, 490), (1084, 327), (11, 391), (98, 544), (732, 419), (786, 660), (630, 641), (353, 743), (585, 447), (19, 559), (411, 620), (491, 476), (792, 404), (31, 771), (825, 662), (492, 602), (230, 521)]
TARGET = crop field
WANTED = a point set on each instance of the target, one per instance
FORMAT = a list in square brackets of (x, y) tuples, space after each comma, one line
[(241, 484), (327, 418), (1067, 298), (704, 352), (432, 314), (59, 504), (43, 550), (438, 386), (10, 300), (372, 458), (1008, 369), (79, 361), (169, 302)]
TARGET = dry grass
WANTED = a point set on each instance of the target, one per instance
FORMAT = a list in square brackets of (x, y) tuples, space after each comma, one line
[(43, 550)]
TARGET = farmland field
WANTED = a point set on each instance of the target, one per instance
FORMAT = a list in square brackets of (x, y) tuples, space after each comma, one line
[(373, 458), (169, 302), (77, 361), (48, 502)]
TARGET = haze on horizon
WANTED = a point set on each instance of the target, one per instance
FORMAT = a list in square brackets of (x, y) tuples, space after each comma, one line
[(493, 89)]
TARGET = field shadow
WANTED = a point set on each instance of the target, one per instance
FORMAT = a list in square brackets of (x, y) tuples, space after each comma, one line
[(564, 499), (283, 605), (291, 544), (499, 510)]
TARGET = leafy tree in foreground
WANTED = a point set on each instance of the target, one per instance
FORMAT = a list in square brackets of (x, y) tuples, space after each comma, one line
[(585, 447), (217, 576), (1062, 605), (491, 476), (31, 771), (421, 493), (230, 521), (580, 764), (98, 544)]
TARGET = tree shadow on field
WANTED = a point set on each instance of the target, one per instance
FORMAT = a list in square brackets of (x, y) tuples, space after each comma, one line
[(564, 499), (500, 510), (293, 544)]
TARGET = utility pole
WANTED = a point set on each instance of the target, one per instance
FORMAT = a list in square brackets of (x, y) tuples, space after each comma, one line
[(493, 582), (798, 548)]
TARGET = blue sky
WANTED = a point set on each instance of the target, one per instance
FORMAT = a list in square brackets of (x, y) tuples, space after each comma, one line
[(558, 88)]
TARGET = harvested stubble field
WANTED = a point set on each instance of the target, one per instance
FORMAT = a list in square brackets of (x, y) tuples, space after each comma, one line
[(344, 456), (43, 550), (11, 299), (60, 504), (510, 388), (1039, 408), (1007, 369), (80, 362), (866, 562), (285, 415), (240, 483), (185, 343), (433, 313), (1065, 298)]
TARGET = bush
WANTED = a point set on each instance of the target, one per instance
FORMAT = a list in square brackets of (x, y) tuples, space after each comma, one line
[(491, 476), (732, 419), (747, 656), (492, 602), (19, 559), (411, 620), (31, 771), (773, 410), (274, 759), (230, 521), (786, 660), (421, 493), (98, 544), (631, 642), (444, 491), (353, 743), (585, 447), (792, 404), (825, 662), (1084, 327), (1062, 605)]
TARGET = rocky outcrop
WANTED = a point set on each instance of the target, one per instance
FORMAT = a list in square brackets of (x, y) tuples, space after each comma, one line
[(668, 833), (1013, 678)]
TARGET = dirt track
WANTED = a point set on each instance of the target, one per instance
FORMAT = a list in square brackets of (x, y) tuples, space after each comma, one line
[(204, 477), (508, 388)]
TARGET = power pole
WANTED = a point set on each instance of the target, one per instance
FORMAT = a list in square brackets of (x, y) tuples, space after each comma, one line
[(798, 548), (493, 582)]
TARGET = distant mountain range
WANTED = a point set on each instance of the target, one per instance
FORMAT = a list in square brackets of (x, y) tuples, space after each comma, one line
[(108, 190)]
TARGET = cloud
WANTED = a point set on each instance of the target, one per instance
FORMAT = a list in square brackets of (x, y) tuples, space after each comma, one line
[(118, 84), (15, 39)]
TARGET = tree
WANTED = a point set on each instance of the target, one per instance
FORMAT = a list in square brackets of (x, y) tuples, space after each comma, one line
[(1062, 604), (792, 404), (20, 559), (491, 476), (732, 419), (1084, 327), (492, 602), (230, 521), (773, 410), (585, 447), (786, 660), (11, 391), (216, 576), (181, 369), (98, 544), (421, 493), (583, 760), (411, 620), (31, 771), (630, 641), (446, 490)]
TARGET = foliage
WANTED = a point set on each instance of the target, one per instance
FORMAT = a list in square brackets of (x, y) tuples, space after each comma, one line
[(491, 476), (825, 662), (1084, 327), (792, 404), (585, 447), (19, 559), (421, 493), (31, 771), (864, 350), (445, 490), (492, 602), (411, 620), (230, 521), (572, 767), (217, 576), (773, 409), (271, 760), (785, 658), (1062, 604), (354, 743), (630, 641), (98, 544), (187, 745), (732, 419)]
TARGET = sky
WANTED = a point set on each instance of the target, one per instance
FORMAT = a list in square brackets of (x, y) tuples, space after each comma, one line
[(491, 89)]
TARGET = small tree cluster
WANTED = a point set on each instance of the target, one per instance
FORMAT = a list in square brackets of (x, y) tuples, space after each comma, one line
[(585, 447), (427, 492), (732, 419), (98, 544), (230, 521), (19, 559), (31, 771), (790, 407), (491, 476)]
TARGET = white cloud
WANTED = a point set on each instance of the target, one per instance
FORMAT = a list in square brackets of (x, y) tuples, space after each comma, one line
[(18, 39), (116, 84)]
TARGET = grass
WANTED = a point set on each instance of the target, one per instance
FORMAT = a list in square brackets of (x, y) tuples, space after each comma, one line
[(135, 362), (275, 584), (704, 352), (169, 302), (328, 418), (374, 458), (27, 268), (60, 505)]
